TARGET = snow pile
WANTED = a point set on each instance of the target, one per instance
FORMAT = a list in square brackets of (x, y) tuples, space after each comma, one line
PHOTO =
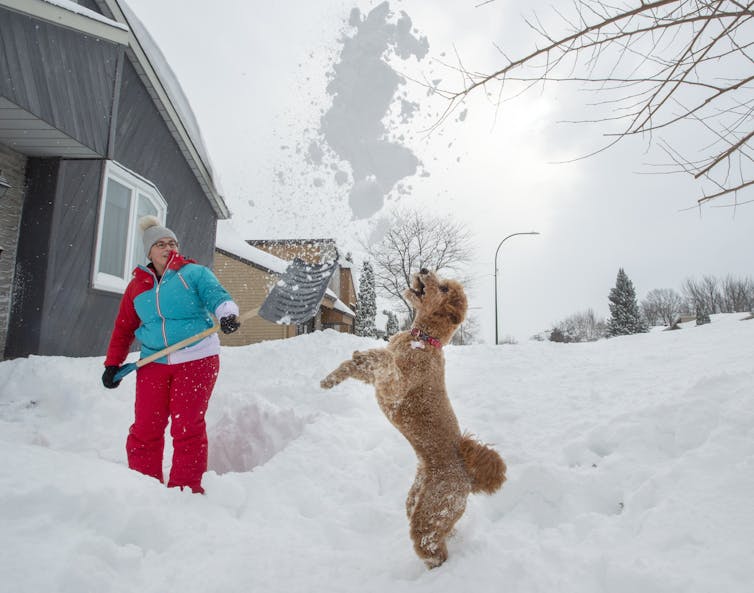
[(631, 468)]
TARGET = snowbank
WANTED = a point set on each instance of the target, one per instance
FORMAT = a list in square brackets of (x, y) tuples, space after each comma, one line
[(631, 468)]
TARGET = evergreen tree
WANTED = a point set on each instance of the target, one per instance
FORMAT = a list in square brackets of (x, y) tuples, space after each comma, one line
[(366, 307), (625, 316), (702, 317), (557, 335), (392, 326)]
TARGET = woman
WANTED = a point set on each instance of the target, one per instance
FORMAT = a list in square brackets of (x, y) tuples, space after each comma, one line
[(167, 301)]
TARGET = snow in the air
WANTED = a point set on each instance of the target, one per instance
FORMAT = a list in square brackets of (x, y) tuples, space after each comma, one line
[(362, 88)]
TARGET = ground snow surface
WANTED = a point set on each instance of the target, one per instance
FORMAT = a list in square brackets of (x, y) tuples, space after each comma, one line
[(630, 466)]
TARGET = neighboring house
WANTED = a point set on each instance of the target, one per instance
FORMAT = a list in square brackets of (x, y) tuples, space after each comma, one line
[(94, 133), (339, 303), (339, 313), (248, 273)]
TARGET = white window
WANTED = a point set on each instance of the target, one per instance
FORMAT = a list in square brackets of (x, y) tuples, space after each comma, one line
[(126, 197)]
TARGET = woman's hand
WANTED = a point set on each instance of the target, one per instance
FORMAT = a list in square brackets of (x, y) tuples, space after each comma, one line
[(229, 324), (109, 375)]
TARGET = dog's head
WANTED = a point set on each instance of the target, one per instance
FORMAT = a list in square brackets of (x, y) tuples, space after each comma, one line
[(437, 301)]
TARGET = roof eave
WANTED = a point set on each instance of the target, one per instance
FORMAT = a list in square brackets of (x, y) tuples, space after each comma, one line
[(169, 113), (63, 17)]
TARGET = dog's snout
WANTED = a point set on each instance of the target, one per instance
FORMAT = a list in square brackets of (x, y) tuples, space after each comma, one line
[(424, 271)]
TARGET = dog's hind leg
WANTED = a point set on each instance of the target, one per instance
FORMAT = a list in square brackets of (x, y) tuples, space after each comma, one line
[(439, 505), (413, 493)]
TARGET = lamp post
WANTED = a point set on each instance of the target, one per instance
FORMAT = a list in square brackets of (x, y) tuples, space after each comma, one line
[(496, 252)]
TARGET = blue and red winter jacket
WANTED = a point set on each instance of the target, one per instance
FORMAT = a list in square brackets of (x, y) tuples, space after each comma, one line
[(163, 312)]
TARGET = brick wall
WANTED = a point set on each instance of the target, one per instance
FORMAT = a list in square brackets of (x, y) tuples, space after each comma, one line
[(249, 287), (12, 167)]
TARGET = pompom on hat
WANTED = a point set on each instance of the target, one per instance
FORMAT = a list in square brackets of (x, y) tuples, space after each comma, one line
[(153, 232)]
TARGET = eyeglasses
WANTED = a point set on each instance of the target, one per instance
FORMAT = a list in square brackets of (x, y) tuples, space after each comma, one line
[(163, 244)]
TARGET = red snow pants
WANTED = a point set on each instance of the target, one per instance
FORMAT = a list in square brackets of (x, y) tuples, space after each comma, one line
[(179, 392)]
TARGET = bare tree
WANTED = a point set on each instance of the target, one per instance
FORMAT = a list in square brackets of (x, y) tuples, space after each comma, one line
[(659, 66), (737, 294), (663, 305), (649, 310), (702, 295), (579, 327), (711, 290), (693, 294), (418, 240)]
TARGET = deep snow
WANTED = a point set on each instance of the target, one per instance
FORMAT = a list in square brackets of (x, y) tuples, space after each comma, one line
[(631, 469)]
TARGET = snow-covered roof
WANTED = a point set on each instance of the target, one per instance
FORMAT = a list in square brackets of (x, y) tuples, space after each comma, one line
[(230, 241), (339, 305)]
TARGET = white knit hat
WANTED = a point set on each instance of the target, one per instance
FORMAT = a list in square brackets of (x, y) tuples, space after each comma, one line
[(153, 232)]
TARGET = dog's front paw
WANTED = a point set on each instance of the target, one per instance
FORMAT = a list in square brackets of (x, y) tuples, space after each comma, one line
[(328, 382)]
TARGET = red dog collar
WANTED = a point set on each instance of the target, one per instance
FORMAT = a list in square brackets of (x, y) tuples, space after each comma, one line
[(425, 337)]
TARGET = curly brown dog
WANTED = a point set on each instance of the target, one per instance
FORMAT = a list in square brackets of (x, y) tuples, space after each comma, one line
[(409, 381)]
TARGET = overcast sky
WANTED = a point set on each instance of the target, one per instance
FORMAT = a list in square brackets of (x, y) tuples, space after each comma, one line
[(256, 74)]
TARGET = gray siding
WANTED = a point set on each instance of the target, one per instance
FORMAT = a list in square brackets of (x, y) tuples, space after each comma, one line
[(63, 77), (90, 90), (91, 5), (13, 168), (77, 319), (25, 327), (143, 144), (59, 229)]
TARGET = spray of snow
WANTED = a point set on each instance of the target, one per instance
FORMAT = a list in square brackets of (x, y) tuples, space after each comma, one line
[(365, 91)]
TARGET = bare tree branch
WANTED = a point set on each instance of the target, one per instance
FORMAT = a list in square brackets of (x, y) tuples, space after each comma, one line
[(659, 65), (417, 240)]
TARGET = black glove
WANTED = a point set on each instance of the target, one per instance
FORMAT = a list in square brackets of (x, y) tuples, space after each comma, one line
[(109, 375), (229, 324)]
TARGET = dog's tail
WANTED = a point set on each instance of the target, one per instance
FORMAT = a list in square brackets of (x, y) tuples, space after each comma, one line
[(484, 464)]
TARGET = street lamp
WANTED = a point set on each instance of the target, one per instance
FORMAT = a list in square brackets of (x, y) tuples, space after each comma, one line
[(496, 252)]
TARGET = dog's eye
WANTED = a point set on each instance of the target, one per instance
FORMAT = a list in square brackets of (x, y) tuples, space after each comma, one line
[(443, 288)]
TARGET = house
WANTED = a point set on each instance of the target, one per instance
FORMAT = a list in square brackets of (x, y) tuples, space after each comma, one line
[(248, 274), (94, 133), (339, 303)]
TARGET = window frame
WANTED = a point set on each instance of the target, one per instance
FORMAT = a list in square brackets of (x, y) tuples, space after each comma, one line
[(138, 186)]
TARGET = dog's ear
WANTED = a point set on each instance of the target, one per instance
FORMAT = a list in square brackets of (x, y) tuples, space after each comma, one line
[(455, 305), (457, 315)]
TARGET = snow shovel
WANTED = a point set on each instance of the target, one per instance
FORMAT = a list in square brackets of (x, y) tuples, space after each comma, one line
[(293, 300)]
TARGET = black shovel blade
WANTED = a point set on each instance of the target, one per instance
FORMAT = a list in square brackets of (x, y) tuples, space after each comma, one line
[(296, 297)]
